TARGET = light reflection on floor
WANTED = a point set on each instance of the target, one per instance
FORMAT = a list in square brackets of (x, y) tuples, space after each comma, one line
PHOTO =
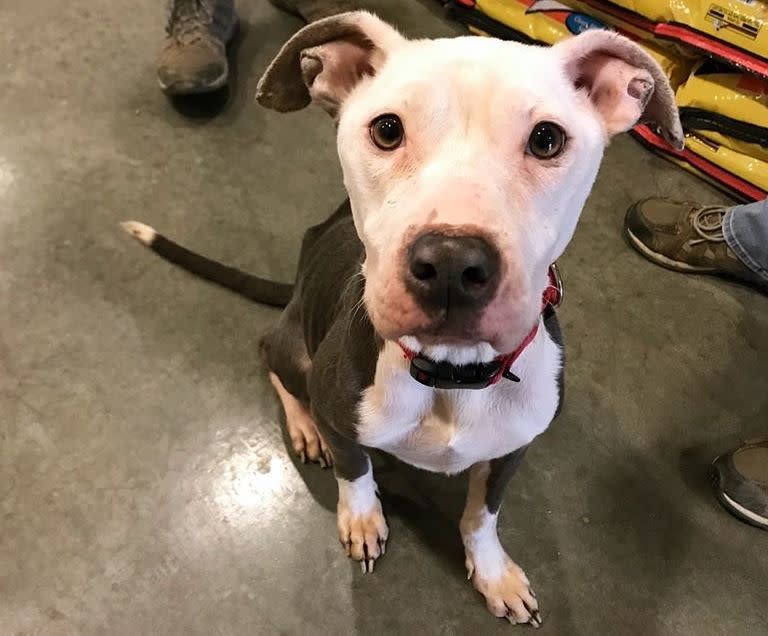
[(6, 176), (247, 480)]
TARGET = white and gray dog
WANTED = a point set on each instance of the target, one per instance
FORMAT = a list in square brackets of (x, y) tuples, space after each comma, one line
[(421, 321)]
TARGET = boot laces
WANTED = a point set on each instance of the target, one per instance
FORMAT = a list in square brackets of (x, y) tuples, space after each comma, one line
[(186, 17), (707, 222)]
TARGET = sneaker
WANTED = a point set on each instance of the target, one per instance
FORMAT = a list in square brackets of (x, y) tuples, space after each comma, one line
[(741, 480), (194, 57), (685, 237), (312, 10)]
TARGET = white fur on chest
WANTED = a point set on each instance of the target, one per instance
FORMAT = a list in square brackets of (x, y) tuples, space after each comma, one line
[(449, 430)]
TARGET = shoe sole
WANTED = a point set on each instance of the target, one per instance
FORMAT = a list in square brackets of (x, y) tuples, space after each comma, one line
[(179, 89), (732, 506), (742, 513)]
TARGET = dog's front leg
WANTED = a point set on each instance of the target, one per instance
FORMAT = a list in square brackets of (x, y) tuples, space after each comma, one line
[(500, 580), (360, 519)]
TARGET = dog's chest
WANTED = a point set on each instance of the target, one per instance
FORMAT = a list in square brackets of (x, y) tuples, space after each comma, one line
[(448, 431)]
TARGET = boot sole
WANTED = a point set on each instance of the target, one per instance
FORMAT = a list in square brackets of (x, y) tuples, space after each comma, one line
[(732, 506), (194, 89), (737, 510)]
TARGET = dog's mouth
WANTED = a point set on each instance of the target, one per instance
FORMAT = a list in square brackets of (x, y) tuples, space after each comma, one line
[(447, 331), (438, 339), (443, 335), (500, 328)]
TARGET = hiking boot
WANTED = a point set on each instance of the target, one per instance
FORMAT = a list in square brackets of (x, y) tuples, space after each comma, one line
[(194, 57), (312, 10), (741, 480), (685, 237)]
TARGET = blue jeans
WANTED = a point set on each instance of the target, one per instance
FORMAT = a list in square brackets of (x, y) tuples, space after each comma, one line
[(745, 228)]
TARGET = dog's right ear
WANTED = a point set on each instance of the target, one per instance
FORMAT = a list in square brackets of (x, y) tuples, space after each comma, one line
[(324, 61)]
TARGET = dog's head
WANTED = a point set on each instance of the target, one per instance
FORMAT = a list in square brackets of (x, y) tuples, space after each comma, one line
[(467, 160)]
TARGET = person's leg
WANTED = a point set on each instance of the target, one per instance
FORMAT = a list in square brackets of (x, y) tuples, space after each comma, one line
[(741, 476), (194, 57), (745, 228), (723, 241), (703, 239)]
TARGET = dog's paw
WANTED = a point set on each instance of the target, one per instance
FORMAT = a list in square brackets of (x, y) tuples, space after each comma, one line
[(363, 536), (306, 440), (508, 595)]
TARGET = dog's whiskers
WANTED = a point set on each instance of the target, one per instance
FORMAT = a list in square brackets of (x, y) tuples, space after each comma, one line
[(359, 304)]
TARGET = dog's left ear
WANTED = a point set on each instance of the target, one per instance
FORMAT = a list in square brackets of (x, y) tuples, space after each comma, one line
[(324, 61), (624, 83)]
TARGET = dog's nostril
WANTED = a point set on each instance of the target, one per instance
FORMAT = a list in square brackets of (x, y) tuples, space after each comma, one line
[(423, 271), (475, 275)]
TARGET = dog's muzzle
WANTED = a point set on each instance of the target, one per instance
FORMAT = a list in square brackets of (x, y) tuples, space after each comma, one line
[(479, 375), (452, 274)]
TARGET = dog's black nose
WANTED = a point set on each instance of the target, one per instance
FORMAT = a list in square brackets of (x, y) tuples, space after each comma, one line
[(447, 272)]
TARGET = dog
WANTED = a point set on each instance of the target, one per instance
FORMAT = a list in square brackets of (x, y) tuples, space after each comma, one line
[(422, 320)]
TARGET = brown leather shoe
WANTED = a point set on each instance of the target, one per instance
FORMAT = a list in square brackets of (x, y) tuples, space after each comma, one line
[(685, 237), (194, 58), (741, 480)]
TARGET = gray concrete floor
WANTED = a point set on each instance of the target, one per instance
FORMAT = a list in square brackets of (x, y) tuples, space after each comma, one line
[(145, 487)]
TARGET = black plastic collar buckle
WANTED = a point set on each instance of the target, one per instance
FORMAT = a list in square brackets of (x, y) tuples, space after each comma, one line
[(445, 375)]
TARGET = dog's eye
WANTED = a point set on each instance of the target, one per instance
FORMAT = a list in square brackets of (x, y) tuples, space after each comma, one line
[(547, 140), (387, 131)]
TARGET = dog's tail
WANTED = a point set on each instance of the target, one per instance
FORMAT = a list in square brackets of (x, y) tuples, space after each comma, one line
[(257, 289)]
